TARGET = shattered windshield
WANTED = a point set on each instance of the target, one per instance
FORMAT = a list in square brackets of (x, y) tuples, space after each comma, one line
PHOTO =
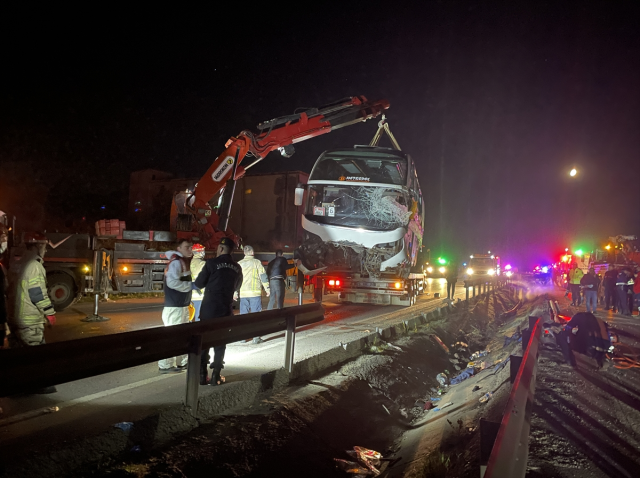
[(360, 166), (375, 208)]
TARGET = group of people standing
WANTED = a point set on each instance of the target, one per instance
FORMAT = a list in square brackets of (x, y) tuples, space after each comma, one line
[(621, 288), (211, 286)]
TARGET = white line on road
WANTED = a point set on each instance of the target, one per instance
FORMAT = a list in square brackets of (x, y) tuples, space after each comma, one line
[(93, 396)]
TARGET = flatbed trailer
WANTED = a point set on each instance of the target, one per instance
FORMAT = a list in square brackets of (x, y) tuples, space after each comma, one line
[(385, 290), (81, 264)]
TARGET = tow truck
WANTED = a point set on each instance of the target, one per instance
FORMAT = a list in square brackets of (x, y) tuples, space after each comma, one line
[(198, 216)]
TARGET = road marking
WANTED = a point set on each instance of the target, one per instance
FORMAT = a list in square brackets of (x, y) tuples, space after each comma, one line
[(88, 398)]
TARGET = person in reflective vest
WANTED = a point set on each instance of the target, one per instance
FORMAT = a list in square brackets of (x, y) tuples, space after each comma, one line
[(575, 275), (197, 263), (254, 279)]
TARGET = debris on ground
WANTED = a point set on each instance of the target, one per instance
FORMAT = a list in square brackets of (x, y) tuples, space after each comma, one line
[(486, 397), (124, 426), (368, 462), (517, 337), (377, 398)]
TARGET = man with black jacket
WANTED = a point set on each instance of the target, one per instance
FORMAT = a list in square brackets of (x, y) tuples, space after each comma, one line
[(220, 278), (609, 283), (590, 284), (277, 273)]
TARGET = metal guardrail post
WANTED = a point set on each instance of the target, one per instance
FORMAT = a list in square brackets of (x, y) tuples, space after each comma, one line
[(290, 342), (474, 290), (467, 289), (193, 373), (299, 295)]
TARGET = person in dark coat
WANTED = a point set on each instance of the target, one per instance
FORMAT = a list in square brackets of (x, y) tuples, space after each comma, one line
[(588, 335), (589, 285), (621, 292), (452, 278), (277, 274), (609, 283), (220, 278), (585, 334)]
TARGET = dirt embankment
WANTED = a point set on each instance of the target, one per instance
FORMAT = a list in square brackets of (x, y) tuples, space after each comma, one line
[(373, 401)]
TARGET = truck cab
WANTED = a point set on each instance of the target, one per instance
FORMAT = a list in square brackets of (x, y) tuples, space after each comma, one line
[(483, 265)]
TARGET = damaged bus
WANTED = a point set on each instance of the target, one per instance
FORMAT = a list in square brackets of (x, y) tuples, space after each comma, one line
[(362, 221)]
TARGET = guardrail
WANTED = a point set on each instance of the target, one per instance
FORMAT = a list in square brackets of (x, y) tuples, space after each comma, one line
[(484, 285), (30, 368), (510, 451)]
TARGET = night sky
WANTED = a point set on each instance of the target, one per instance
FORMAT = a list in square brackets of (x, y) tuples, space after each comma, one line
[(496, 101)]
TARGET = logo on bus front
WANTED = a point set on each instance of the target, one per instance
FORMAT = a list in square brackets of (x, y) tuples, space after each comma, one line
[(354, 178), (220, 171)]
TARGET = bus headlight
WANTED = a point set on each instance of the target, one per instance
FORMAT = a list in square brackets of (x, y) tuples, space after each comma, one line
[(491, 272), (429, 269), (470, 271), (442, 270), (508, 273)]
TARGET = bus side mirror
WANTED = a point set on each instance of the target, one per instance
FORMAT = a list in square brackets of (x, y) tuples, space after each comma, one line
[(299, 195)]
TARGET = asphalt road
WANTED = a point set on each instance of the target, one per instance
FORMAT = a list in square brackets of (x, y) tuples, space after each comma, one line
[(130, 394)]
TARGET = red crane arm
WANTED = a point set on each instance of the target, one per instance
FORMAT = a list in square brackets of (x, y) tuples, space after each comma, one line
[(278, 133)]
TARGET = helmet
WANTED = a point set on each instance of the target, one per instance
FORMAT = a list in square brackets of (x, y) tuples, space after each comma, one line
[(35, 238), (197, 248)]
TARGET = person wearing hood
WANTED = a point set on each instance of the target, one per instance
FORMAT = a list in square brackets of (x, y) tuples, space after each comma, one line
[(177, 296), (30, 308)]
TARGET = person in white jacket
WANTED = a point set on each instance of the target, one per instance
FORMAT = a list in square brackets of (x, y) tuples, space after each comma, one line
[(177, 296)]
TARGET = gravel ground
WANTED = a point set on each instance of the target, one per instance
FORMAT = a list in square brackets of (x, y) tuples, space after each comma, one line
[(586, 422)]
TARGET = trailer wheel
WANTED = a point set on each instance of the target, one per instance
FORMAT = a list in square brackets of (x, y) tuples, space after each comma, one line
[(61, 289)]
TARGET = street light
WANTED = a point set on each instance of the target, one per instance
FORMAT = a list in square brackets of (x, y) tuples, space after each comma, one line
[(573, 172)]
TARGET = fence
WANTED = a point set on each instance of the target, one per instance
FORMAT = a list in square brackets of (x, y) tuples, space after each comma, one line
[(509, 453), (30, 368)]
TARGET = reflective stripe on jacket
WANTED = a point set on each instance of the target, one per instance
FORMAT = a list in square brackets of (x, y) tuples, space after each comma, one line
[(29, 299), (197, 263), (254, 277)]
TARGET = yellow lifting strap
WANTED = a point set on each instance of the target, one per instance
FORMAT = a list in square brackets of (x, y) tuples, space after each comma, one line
[(383, 127)]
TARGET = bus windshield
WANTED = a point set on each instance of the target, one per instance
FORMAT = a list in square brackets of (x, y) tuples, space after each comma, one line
[(358, 166)]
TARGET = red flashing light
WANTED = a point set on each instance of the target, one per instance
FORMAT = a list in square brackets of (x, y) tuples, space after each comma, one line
[(337, 282), (332, 282)]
